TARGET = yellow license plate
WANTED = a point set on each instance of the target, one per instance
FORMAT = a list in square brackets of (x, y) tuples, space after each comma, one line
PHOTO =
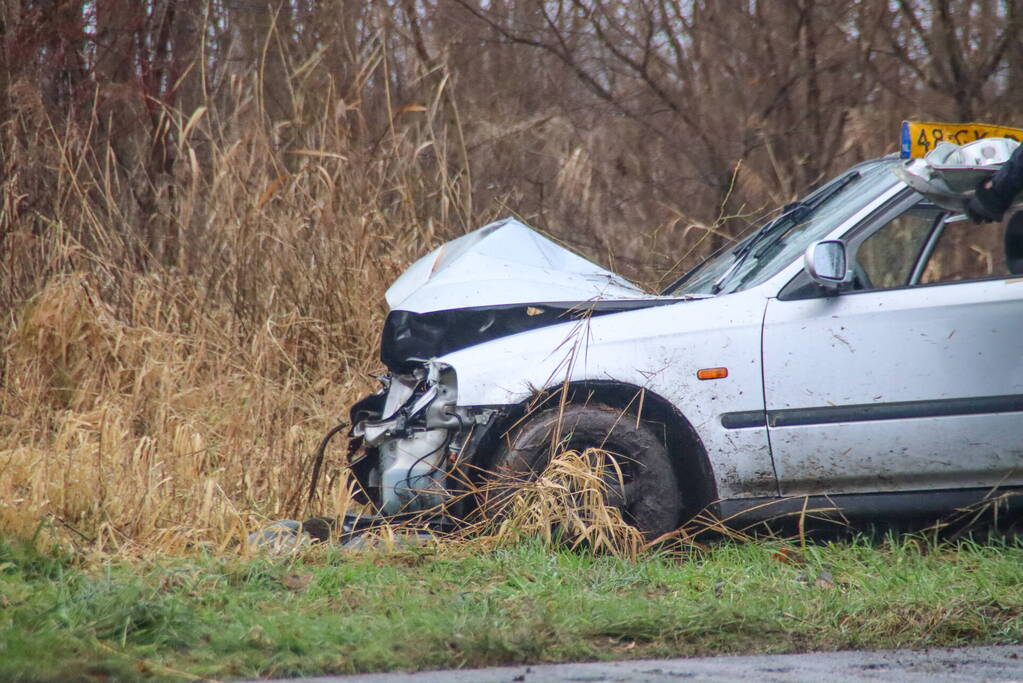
[(920, 137)]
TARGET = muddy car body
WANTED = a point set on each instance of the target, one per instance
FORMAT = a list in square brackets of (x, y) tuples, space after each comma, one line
[(824, 355)]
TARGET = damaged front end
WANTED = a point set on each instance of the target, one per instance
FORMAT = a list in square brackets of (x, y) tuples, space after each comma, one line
[(413, 448), (408, 440)]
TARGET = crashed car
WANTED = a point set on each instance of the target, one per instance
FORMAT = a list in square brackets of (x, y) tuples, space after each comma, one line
[(863, 348)]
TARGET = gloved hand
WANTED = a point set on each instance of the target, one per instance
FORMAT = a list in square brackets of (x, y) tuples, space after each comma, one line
[(983, 206), (996, 194)]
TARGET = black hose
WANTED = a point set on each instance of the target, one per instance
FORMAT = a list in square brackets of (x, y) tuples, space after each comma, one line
[(318, 459)]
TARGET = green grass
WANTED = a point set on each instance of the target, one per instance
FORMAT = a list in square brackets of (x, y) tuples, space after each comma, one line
[(336, 611)]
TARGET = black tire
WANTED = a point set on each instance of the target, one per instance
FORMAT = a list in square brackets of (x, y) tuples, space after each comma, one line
[(651, 500)]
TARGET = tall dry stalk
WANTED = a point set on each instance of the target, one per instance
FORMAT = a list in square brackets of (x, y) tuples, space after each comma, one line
[(166, 376)]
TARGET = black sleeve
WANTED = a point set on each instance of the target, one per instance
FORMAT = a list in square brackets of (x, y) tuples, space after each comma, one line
[(997, 193)]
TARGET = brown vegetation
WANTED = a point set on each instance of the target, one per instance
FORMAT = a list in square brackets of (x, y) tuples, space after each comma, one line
[(202, 202)]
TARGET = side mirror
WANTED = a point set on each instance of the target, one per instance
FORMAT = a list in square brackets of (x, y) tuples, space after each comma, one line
[(825, 262)]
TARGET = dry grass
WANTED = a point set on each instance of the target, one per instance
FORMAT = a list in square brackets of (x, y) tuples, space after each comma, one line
[(165, 377), (570, 504)]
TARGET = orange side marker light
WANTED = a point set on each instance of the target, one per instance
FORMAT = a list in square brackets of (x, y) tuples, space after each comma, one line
[(712, 373)]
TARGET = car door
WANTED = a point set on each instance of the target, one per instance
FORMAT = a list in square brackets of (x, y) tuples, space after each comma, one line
[(913, 380)]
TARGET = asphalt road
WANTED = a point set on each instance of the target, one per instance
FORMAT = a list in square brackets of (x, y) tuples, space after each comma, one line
[(1002, 663)]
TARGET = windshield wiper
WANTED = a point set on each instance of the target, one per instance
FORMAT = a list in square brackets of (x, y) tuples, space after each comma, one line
[(741, 252), (791, 214)]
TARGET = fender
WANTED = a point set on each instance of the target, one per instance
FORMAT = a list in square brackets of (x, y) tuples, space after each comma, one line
[(658, 350)]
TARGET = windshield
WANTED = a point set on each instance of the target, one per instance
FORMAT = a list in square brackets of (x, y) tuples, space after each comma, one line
[(761, 254)]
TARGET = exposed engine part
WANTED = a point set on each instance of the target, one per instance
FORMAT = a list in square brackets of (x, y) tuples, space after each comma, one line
[(411, 470), (415, 435)]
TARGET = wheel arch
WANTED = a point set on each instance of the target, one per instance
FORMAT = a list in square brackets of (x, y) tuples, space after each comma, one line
[(685, 448)]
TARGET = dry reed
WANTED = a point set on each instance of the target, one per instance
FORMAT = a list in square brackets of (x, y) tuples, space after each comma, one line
[(166, 376), (570, 503)]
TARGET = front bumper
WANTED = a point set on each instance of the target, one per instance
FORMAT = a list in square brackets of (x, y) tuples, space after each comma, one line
[(410, 440)]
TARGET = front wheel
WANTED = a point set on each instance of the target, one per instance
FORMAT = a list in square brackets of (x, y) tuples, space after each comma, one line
[(644, 487)]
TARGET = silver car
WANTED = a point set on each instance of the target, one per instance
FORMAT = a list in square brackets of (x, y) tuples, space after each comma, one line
[(864, 346)]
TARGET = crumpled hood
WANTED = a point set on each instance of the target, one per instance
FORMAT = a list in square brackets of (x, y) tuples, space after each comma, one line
[(500, 264)]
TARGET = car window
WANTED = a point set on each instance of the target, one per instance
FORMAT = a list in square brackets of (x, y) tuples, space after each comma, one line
[(954, 249), (887, 257), (967, 251), (875, 179), (730, 272)]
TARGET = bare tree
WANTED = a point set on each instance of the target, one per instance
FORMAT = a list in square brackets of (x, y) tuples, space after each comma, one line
[(956, 49), (627, 126)]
